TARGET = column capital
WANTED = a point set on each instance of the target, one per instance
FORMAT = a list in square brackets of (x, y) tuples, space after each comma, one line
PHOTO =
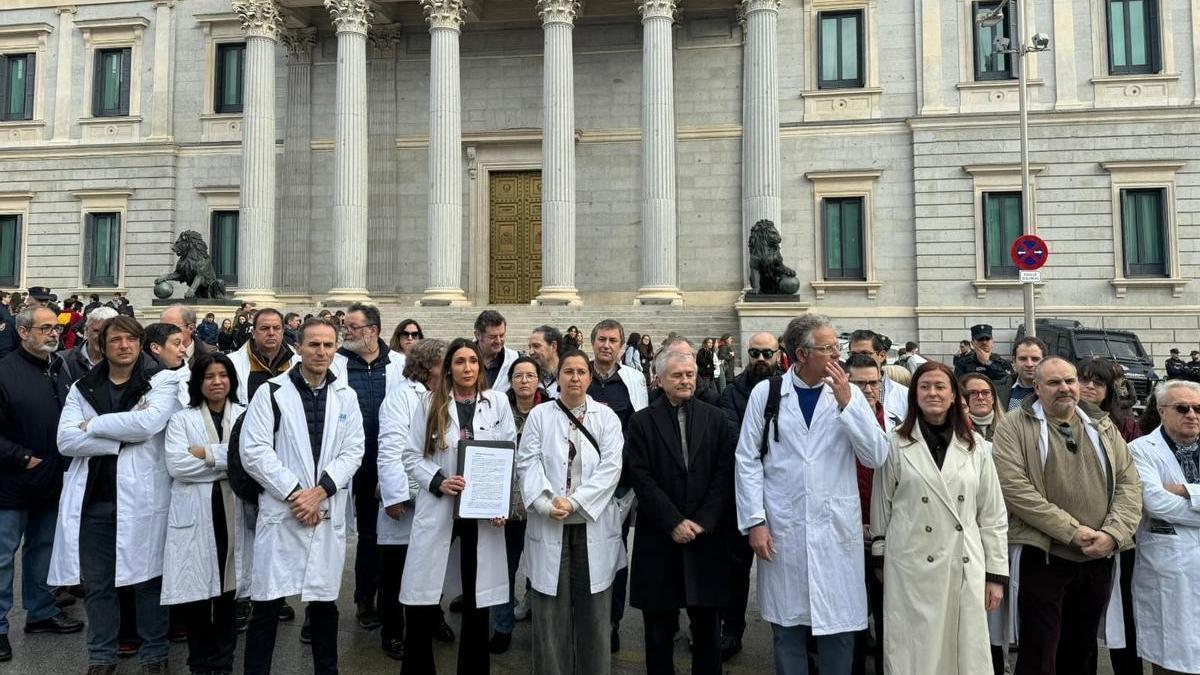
[(66, 9), (383, 39), (748, 7), (450, 14), (558, 11), (164, 3), (299, 42), (260, 18), (657, 9), (350, 16)]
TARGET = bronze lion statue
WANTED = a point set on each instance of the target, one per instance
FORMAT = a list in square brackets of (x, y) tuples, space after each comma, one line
[(194, 268), (768, 274)]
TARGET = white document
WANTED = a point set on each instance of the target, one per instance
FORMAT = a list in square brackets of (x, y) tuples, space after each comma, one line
[(488, 471)]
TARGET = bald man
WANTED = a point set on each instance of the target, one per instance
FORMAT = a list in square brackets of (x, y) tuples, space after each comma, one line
[(185, 317)]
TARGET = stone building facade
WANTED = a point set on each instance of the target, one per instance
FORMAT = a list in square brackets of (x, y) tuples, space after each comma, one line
[(611, 153)]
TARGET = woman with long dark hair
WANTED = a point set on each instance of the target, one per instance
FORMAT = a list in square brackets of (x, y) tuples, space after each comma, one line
[(460, 407), (226, 337), (939, 529), (204, 554)]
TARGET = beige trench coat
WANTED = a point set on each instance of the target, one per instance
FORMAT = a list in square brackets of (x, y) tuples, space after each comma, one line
[(940, 533)]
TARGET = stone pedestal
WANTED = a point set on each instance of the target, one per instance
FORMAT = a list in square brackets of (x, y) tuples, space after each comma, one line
[(770, 316)]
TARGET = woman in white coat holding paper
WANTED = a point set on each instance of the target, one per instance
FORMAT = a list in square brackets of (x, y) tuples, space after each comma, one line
[(205, 524), (569, 467), (460, 407)]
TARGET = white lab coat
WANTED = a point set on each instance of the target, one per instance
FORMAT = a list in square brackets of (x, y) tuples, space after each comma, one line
[(190, 568), (501, 384), (291, 558), (1166, 592), (895, 400), (143, 484), (394, 371), (241, 366), (542, 469), (394, 484), (430, 568), (806, 490)]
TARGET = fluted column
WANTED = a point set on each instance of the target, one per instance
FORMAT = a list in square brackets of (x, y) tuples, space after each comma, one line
[(445, 19), (660, 264), (295, 227), (558, 153), (256, 238), (760, 120), (350, 20)]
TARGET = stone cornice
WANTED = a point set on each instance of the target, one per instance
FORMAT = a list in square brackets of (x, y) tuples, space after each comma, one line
[(350, 16), (557, 11), (657, 9), (449, 14), (299, 42), (260, 18), (748, 7)]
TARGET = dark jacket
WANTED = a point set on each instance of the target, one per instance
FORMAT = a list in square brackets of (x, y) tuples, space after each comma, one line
[(369, 382), (315, 402), (8, 332), (227, 340), (207, 332), (997, 369), (735, 396), (665, 575), (75, 362), (32, 394), (200, 348)]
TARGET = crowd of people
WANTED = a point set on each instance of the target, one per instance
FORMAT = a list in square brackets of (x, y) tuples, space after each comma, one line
[(929, 519)]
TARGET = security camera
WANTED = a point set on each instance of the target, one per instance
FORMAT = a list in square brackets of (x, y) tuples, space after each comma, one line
[(1041, 41), (1000, 44)]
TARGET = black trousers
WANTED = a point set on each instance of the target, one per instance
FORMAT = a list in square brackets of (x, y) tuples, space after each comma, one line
[(473, 655), (212, 633), (1126, 661), (706, 640), (1060, 604), (875, 608), (733, 617), (260, 636), (391, 612), (366, 561), (620, 581)]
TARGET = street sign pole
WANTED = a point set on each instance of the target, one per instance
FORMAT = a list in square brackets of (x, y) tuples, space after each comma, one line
[(1027, 211)]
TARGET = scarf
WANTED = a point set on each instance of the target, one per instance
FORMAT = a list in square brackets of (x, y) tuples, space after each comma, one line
[(983, 425)]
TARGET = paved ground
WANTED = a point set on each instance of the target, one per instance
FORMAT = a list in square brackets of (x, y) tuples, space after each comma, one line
[(359, 649)]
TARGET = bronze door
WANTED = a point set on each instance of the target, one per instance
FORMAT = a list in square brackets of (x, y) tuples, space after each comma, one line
[(515, 246)]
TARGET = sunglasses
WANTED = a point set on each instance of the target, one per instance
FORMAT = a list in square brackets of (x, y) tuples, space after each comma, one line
[(413, 334), (763, 353), (1065, 430), (1183, 408)]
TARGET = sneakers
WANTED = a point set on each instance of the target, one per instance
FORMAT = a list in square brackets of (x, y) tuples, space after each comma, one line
[(443, 633), (60, 623), (286, 613), (367, 617), (394, 648), (521, 611), (500, 642)]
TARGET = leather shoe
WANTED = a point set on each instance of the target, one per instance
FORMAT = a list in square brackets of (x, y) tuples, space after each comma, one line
[(367, 617), (5, 649), (62, 597), (730, 646), (443, 632), (394, 648), (499, 642), (286, 612), (60, 623)]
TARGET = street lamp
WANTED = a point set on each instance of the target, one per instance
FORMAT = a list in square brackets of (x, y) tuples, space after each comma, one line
[(1001, 45)]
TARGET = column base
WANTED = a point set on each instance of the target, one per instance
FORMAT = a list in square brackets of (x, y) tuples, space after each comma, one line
[(255, 295), (443, 297), (659, 295), (344, 297), (558, 296)]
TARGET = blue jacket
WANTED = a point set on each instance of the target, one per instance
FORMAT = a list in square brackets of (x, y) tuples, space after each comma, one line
[(207, 332)]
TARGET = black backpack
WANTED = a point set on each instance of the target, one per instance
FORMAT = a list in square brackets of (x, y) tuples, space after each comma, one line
[(243, 484), (770, 414)]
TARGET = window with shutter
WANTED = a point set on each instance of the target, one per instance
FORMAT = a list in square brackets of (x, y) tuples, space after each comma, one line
[(224, 245), (1144, 232), (988, 64), (843, 238), (1133, 39), (110, 87), (10, 251), (229, 83), (16, 87), (1001, 227), (840, 49), (102, 252)]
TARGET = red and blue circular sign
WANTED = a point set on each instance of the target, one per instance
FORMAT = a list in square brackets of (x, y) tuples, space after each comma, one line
[(1029, 252)]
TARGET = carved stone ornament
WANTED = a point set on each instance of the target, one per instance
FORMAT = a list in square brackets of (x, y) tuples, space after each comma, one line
[(299, 41), (557, 11), (259, 17), (384, 39), (445, 13), (750, 6), (350, 16), (657, 9)]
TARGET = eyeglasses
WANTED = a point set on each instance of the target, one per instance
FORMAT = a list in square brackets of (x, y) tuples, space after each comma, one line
[(524, 377), (1183, 408), (756, 353), (352, 327), (827, 349), (1065, 430), (411, 334), (47, 328), (866, 384), (982, 393)]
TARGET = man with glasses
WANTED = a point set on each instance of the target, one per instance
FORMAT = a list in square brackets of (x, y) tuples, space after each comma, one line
[(797, 498), (1074, 499), (490, 328), (545, 343), (981, 360), (893, 394), (372, 370), (1166, 600)]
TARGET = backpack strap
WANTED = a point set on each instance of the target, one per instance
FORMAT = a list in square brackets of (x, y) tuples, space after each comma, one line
[(578, 425), (771, 413)]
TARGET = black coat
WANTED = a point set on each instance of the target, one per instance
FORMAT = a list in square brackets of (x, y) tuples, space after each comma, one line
[(32, 394), (665, 575)]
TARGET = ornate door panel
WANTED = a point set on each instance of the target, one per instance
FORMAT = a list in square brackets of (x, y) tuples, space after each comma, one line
[(515, 249)]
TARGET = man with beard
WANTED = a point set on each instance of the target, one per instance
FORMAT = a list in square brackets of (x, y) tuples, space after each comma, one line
[(545, 343)]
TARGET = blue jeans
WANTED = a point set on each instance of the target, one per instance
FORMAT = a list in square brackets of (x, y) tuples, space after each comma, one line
[(36, 526), (835, 653), (514, 544), (98, 567)]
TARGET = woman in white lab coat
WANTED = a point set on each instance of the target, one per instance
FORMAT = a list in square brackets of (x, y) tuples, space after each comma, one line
[(459, 408), (567, 484), (205, 525)]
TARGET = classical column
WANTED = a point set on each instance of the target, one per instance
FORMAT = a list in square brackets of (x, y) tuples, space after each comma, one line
[(295, 227), (660, 265), (256, 239), (558, 153), (160, 114), (63, 100), (445, 18), (760, 120), (350, 19)]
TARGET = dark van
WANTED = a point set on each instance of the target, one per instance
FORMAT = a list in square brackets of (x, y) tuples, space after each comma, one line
[(1077, 343)]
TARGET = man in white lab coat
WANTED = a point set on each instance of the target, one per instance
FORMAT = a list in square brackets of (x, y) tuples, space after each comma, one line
[(797, 498), (305, 468)]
